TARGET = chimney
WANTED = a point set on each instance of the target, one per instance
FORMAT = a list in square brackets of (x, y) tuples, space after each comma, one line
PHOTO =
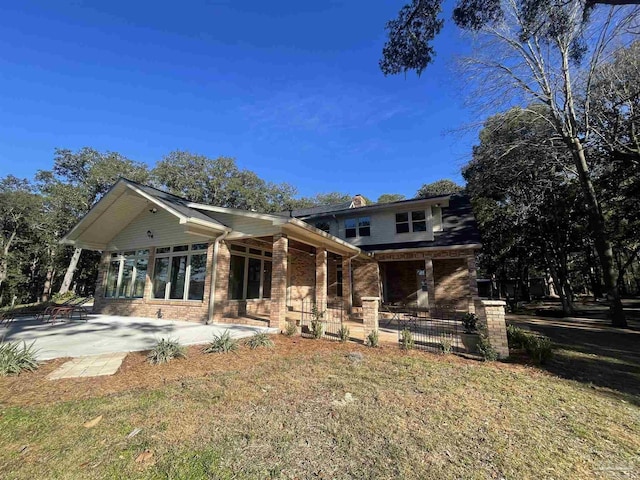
[(359, 201)]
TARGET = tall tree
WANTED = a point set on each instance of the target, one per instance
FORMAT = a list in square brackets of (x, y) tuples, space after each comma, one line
[(545, 58), (439, 187), (411, 33), (219, 182), (390, 197)]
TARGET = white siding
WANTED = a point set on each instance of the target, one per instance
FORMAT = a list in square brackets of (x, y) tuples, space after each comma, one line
[(383, 226), (242, 225), (165, 227)]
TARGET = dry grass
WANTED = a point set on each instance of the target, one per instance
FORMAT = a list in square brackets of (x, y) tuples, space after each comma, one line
[(284, 413)]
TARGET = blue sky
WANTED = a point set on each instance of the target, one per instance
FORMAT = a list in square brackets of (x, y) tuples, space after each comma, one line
[(292, 90)]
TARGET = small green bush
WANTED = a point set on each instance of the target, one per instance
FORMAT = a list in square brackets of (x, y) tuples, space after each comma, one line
[(539, 348), (406, 340), (517, 337), (165, 351), (373, 339), (291, 329), (445, 346), (260, 340), (486, 349), (343, 333), (317, 327), (16, 358), (221, 344), (470, 322)]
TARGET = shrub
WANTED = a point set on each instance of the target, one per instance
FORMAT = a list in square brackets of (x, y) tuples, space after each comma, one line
[(470, 322), (540, 348), (373, 339), (165, 351), (445, 346), (221, 344), (16, 358), (317, 327), (406, 340), (517, 337), (260, 340), (291, 329), (486, 349), (63, 297), (343, 333)]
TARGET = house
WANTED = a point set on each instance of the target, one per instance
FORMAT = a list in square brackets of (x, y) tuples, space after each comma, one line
[(165, 256)]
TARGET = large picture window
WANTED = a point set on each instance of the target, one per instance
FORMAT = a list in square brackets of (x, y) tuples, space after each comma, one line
[(127, 274), (179, 272), (249, 273)]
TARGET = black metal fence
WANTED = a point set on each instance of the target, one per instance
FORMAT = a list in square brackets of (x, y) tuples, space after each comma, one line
[(438, 330), (330, 320)]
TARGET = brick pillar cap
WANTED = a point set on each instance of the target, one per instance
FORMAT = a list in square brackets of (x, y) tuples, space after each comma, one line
[(370, 299), (494, 303)]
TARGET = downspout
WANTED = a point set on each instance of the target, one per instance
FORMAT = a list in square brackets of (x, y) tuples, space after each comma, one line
[(214, 269)]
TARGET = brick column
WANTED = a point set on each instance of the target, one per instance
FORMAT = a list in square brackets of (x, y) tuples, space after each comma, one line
[(347, 297), (278, 313), (473, 282), (221, 295), (431, 283), (321, 279), (369, 315), (491, 319)]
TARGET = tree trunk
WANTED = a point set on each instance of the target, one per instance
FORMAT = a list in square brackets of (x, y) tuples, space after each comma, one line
[(71, 269), (46, 290), (602, 243)]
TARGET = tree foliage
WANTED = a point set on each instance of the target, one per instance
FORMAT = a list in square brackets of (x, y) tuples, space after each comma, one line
[(390, 197), (439, 187)]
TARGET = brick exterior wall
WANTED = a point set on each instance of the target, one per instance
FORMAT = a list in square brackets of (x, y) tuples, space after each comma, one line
[(451, 282), (332, 276), (302, 278), (366, 281), (369, 315), (346, 284)]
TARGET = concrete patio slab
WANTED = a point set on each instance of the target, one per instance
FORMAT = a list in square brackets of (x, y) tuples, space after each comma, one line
[(91, 366), (114, 334)]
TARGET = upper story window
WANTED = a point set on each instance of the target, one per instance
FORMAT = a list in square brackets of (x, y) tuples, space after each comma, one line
[(179, 272), (411, 222), (324, 226), (357, 227)]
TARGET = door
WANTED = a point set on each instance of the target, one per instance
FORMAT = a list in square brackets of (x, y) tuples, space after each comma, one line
[(422, 295)]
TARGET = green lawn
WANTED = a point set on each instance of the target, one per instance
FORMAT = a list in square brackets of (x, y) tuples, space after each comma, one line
[(282, 413)]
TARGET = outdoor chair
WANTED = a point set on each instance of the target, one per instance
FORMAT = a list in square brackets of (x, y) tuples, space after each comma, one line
[(67, 310)]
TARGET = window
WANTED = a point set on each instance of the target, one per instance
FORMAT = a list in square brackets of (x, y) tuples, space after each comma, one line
[(127, 274), (249, 273), (324, 226), (402, 222), (363, 225), (350, 228), (417, 220), (179, 272)]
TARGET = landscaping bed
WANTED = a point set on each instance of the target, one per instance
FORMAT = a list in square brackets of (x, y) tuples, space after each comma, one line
[(315, 409)]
